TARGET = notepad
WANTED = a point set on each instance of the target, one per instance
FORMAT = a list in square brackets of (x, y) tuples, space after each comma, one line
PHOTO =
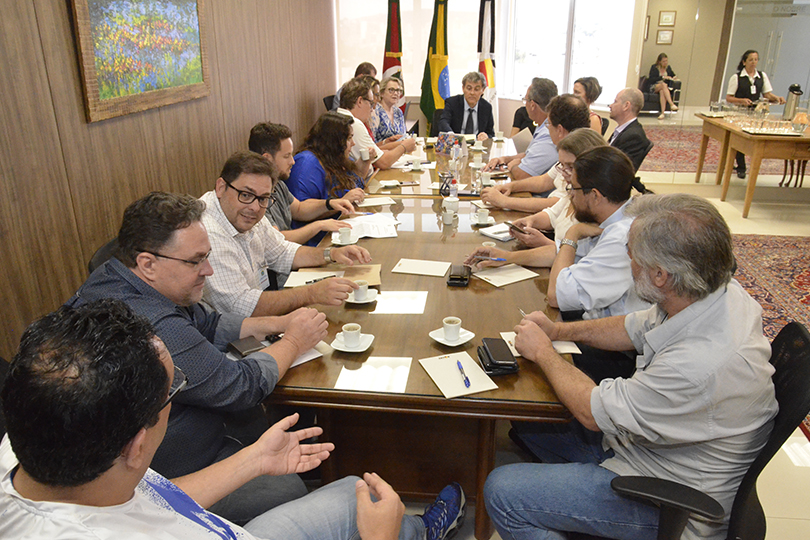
[(421, 268), (377, 374), (562, 347), (498, 232), (445, 373), (299, 279), (401, 303), (504, 275), (375, 201)]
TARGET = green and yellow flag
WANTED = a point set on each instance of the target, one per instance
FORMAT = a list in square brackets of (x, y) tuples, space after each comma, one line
[(436, 81)]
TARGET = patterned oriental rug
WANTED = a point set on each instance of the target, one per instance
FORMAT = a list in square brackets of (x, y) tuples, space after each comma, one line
[(676, 150), (775, 270)]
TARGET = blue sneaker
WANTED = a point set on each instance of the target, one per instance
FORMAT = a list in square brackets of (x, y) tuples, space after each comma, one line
[(445, 515)]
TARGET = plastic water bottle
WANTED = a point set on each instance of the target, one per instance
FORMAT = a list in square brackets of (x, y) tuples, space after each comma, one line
[(454, 185)]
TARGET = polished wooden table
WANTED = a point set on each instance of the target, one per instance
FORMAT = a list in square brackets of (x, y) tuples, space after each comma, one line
[(419, 440), (733, 139)]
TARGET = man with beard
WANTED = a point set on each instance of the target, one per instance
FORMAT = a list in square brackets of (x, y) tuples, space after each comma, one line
[(599, 284), (274, 142), (697, 410), (245, 248)]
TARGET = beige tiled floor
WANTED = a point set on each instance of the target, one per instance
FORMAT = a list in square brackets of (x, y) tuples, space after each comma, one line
[(783, 486)]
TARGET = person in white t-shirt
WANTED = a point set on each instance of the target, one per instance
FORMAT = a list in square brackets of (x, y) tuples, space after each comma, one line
[(86, 403)]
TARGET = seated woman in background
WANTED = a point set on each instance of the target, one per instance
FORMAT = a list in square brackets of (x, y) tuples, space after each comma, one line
[(322, 167), (659, 80), (559, 217), (387, 120), (522, 121), (589, 90)]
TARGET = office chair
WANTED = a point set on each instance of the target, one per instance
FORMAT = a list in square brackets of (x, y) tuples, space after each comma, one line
[(102, 254), (605, 124), (434, 126), (327, 102), (3, 373), (790, 356), (644, 155)]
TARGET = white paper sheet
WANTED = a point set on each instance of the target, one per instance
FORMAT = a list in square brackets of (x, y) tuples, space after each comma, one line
[(562, 347), (299, 279), (370, 226), (498, 232), (438, 185), (504, 275), (319, 350), (421, 268), (481, 204), (445, 373), (401, 303), (377, 374), (375, 201)]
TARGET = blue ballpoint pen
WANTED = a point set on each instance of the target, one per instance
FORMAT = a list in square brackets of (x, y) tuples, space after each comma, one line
[(482, 258), (463, 375)]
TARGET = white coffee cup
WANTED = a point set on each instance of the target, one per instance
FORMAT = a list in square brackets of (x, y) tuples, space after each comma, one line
[(451, 204), (486, 179), (447, 217), (499, 134), (351, 335), (345, 235), (483, 215), (478, 159), (417, 165), (364, 154), (362, 290), (452, 327), (478, 144), (488, 244)]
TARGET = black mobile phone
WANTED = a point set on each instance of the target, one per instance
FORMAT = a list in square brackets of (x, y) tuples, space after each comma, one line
[(485, 357), (459, 275), (499, 352), (515, 227)]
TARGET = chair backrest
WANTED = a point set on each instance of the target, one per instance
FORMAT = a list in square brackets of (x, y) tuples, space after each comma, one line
[(3, 372), (103, 254), (327, 102), (790, 355), (605, 124), (434, 126)]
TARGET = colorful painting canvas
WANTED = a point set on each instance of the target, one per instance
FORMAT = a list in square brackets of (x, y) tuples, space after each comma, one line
[(144, 45)]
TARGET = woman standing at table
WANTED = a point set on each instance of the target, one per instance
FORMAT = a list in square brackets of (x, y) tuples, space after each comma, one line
[(746, 87), (387, 121), (660, 75), (323, 169), (589, 90)]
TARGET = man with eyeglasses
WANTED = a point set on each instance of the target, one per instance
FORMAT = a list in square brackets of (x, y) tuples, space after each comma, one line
[(87, 402), (159, 271), (467, 112), (357, 101), (247, 250), (541, 154)]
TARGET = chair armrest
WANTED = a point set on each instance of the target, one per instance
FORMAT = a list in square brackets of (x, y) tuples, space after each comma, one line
[(671, 494)]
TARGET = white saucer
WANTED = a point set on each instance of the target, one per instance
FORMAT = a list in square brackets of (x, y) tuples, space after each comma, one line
[(371, 296), (475, 165), (474, 149), (352, 240), (463, 337), (389, 183), (365, 343), (498, 139), (490, 221)]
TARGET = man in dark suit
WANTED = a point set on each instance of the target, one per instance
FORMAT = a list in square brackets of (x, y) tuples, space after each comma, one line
[(629, 136), (468, 113)]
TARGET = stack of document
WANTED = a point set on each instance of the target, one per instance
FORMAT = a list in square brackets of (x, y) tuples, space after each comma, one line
[(371, 226), (504, 275)]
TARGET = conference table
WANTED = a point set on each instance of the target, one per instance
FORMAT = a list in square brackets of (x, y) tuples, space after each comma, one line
[(734, 139), (418, 440)]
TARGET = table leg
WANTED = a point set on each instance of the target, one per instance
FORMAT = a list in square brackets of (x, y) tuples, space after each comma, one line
[(727, 172), (756, 161), (723, 157), (704, 144), (486, 462)]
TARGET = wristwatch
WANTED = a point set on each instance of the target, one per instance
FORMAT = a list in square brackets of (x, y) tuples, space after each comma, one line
[(569, 242), (327, 255)]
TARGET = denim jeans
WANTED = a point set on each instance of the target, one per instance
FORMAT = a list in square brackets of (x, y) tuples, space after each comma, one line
[(328, 513), (570, 492)]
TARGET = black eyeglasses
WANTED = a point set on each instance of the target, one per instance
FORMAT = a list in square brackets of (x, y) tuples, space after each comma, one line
[(246, 197), (193, 263), (569, 188), (178, 383)]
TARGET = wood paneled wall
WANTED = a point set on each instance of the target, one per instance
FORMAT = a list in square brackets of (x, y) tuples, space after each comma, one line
[(65, 183)]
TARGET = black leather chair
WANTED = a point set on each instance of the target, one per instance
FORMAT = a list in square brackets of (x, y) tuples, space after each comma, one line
[(646, 152), (652, 103), (3, 373), (327, 102), (434, 126), (605, 124), (102, 254), (790, 355)]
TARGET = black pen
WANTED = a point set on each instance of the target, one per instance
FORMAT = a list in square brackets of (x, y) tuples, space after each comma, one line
[(317, 280)]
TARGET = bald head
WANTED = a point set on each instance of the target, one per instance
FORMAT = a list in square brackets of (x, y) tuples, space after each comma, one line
[(627, 105)]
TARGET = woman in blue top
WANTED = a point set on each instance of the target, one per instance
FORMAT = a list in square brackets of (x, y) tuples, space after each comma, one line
[(322, 167), (388, 122)]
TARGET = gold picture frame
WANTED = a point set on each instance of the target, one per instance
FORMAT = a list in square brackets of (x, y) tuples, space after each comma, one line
[(664, 37), (131, 62), (666, 18)]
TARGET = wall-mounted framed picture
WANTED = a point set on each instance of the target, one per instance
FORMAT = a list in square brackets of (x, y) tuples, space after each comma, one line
[(664, 37), (137, 55), (647, 28), (666, 18)]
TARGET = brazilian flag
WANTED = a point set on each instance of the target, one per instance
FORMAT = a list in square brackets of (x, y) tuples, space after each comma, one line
[(436, 81)]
